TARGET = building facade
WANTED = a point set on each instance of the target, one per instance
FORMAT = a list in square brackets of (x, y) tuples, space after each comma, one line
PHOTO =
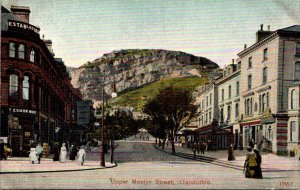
[(38, 102), (258, 98)]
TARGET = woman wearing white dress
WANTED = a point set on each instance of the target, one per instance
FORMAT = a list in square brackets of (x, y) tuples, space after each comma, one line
[(63, 153), (81, 155), (32, 155)]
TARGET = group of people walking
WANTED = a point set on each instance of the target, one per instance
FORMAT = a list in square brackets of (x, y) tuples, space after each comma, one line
[(59, 154), (252, 164), (199, 147)]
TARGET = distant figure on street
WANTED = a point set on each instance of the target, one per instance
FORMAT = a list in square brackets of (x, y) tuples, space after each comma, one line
[(194, 148), (32, 155), (81, 155), (73, 152), (230, 153), (258, 172), (63, 153), (250, 164), (88, 146), (202, 148), (55, 153), (39, 152), (2, 155)]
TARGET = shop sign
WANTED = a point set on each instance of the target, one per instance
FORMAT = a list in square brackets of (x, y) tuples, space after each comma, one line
[(83, 112), (17, 110), (22, 25), (267, 120)]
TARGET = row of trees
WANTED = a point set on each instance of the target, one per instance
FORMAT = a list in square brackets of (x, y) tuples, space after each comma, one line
[(170, 110)]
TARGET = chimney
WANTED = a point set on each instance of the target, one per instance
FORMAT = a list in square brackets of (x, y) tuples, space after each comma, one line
[(245, 46), (49, 46), (261, 34), (232, 61), (21, 12)]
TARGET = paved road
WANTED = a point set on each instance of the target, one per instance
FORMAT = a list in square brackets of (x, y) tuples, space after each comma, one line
[(140, 165)]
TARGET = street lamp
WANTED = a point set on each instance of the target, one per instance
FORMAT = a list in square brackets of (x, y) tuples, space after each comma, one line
[(102, 159)]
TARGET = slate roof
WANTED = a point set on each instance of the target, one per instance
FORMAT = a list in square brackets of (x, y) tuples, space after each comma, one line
[(295, 28)]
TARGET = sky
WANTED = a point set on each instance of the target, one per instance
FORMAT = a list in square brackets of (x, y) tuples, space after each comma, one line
[(83, 30)]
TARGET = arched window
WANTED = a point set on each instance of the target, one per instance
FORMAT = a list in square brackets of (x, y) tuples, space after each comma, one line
[(32, 54), (294, 99), (13, 86), (26, 88)]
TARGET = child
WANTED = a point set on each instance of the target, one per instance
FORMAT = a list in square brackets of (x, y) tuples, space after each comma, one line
[(32, 155)]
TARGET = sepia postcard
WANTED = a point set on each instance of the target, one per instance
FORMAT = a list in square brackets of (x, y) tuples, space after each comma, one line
[(150, 94)]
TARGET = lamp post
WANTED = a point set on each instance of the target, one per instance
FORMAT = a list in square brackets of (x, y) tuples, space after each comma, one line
[(102, 159), (113, 95)]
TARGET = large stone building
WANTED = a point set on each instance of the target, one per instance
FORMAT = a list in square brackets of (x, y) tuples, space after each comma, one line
[(38, 102), (258, 98)]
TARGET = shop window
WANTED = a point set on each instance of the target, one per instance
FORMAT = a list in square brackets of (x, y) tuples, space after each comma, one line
[(21, 51), (26, 88), (13, 86), (32, 55), (12, 49), (293, 131)]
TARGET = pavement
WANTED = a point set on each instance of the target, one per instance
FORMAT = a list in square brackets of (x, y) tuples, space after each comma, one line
[(270, 162), (23, 165)]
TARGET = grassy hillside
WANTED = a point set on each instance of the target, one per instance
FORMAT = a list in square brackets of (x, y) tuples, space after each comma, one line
[(137, 97)]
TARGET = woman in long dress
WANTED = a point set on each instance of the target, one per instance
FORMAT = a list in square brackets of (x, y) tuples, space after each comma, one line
[(81, 155), (32, 155), (63, 153), (250, 164)]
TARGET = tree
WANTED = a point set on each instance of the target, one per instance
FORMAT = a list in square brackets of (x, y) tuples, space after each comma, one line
[(172, 109)]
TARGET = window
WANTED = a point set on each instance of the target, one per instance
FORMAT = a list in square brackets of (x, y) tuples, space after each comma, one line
[(236, 110), (206, 101), (250, 62), (237, 88), (228, 113), (297, 70), (249, 82), (294, 99), (265, 75), (248, 107), (239, 65), (32, 52), (265, 57), (210, 99), (12, 49), (229, 91), (209, 117), (222, 94), (222, 115), (293, 131), (26, 88), (264, 102), (13, 86), (21, 51), (297, 48)]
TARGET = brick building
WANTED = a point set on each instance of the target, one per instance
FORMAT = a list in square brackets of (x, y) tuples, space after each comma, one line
[(38, 102)]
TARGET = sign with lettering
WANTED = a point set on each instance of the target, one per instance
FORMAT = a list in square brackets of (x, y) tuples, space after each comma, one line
[(23, 25), (83, 112), (17, 110)]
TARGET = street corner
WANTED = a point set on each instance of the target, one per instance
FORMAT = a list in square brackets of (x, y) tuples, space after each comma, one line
[(48, 166)]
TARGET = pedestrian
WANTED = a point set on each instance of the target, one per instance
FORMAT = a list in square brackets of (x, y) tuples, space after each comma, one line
[(63, 153), (2, 155), (258, 172), (250, 163), (198, 147), (202, 147), (194, 148), (55, 153), (39, 152), (230, 153), (73, 152), (32, 155), (81, 155), (88, 146)]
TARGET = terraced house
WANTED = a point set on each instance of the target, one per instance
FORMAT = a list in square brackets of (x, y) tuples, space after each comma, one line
[(259, 96)]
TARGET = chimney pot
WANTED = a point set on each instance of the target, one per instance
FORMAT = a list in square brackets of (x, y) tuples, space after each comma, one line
[(245, 46), (232, 61), (261, 27)]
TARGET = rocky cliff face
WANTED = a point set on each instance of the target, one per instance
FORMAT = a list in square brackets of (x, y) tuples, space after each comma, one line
[(128, 69)]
